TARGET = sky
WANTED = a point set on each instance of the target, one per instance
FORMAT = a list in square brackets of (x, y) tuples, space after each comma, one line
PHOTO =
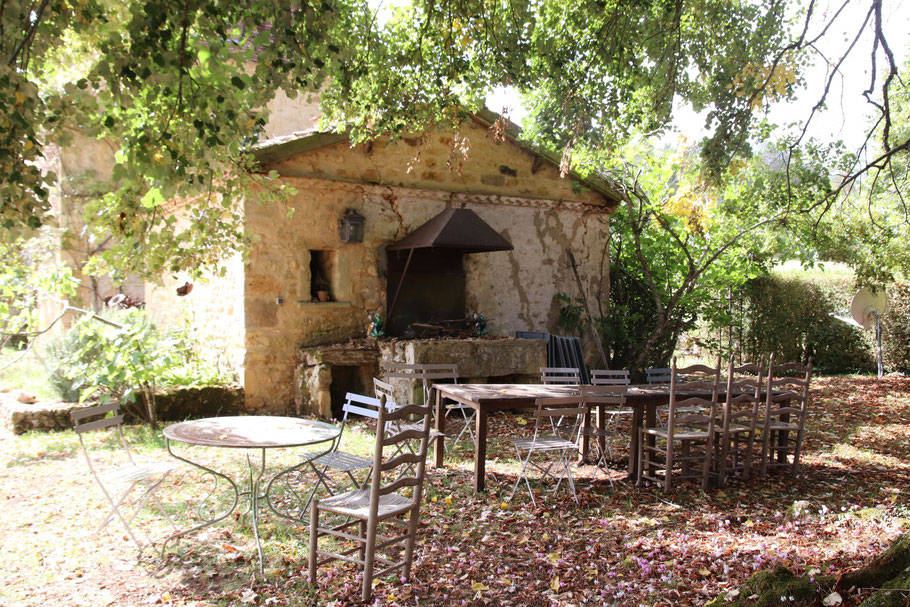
[(846, 116)]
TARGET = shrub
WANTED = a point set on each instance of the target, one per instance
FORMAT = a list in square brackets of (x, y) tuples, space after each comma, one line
[(897, 328), (790, 316)]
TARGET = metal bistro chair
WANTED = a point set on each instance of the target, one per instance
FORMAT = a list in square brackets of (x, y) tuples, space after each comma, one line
[(609, 402), (736, 427), (659, 454), (342, 461), (615, 378), (610, 377), (366, 509), (781, 418), (431, 374), (127, 475), (543, 443), (658, 375), (567, 376)]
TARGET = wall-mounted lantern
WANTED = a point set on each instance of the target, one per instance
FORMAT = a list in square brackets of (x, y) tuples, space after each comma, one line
[(352, 226)]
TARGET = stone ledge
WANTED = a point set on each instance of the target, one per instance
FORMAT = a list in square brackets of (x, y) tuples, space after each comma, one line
[(21, 417), (173, 405), (323, 305)]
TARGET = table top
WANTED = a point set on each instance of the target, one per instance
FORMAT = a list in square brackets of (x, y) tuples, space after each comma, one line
[(502, 393), (252, 431)]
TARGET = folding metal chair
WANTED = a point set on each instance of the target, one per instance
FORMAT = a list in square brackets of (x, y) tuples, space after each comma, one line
[(544, 443), (366, 510), (610, 377), (128, 474), (342, 461), (609, 403), (568, 376), (430, 374)]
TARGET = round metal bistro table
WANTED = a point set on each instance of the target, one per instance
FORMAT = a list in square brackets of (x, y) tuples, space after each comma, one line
[(249, 433)]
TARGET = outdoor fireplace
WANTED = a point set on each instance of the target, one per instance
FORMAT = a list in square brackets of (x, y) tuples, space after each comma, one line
[(426, 275)]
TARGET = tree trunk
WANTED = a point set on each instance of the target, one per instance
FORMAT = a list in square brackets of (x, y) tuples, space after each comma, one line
[(889, 572)]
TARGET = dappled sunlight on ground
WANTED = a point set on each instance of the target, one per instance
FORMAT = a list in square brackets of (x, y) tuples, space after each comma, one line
[(621, 545)]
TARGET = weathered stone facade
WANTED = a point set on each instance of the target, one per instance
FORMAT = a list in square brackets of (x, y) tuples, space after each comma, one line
[(260, 313)]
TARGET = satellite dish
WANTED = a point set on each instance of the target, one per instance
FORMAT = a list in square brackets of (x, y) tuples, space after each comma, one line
[(867, 306)]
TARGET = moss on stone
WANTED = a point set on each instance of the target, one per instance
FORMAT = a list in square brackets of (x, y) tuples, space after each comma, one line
[(893, 593)]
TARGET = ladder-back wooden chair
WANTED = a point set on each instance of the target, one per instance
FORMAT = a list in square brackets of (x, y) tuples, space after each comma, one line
[(378, 525), (119, 479), (348, 464), (683, 450), (610, 377), (736, 426), (786, 407), (559, 450), (609, 404), (568, 376)]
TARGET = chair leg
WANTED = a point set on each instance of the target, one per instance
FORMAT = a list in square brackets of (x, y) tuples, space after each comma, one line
[(669, 467), (409, 546), (369, 559), (314, 540)]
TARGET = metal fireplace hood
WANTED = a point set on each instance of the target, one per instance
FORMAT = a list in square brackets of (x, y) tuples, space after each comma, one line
[(459, 229)]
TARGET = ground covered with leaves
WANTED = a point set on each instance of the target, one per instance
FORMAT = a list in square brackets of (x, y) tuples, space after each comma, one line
[(622, 545)]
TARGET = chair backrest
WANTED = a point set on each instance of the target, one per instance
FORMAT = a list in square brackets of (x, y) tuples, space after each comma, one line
[(88, 419), (405, 468), (559, 411), (428, 374), (611, 396), (560, 375), (610, 377), (384, 390), (743, 395), (703, 381), (658, 375), (788, 382), (747, 374)]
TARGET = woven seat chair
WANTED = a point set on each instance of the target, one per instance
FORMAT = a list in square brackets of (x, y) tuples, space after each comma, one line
[(736, 426), (784, 423), (378, 524), (683, 449)]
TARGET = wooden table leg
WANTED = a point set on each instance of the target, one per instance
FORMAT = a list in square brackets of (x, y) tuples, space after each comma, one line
[(585, 438), (602, 423), (637, 416), (439, 451), (480, 449)]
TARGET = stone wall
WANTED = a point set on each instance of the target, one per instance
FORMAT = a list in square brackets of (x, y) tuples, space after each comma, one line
[(213, 313)]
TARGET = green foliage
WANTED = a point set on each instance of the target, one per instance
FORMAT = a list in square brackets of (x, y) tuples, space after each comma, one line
[(125, 360), (28, 273), (790, 317), (680, 244), (896, 322)]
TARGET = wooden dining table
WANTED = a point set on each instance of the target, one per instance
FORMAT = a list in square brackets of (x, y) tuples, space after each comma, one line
[(485, 398)]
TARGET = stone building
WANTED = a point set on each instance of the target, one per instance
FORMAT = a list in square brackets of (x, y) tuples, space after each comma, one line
[(264, 316)]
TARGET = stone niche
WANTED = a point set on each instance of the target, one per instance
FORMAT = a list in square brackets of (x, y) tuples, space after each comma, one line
[(325, 373)]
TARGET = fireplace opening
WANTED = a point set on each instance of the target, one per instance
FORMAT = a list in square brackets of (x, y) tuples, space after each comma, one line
[(433, 289)]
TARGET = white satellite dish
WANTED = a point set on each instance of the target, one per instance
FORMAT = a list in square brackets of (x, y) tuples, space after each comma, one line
[(867, 306), (866, 311)]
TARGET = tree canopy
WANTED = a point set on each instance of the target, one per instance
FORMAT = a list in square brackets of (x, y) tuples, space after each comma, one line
[(181, 90)]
